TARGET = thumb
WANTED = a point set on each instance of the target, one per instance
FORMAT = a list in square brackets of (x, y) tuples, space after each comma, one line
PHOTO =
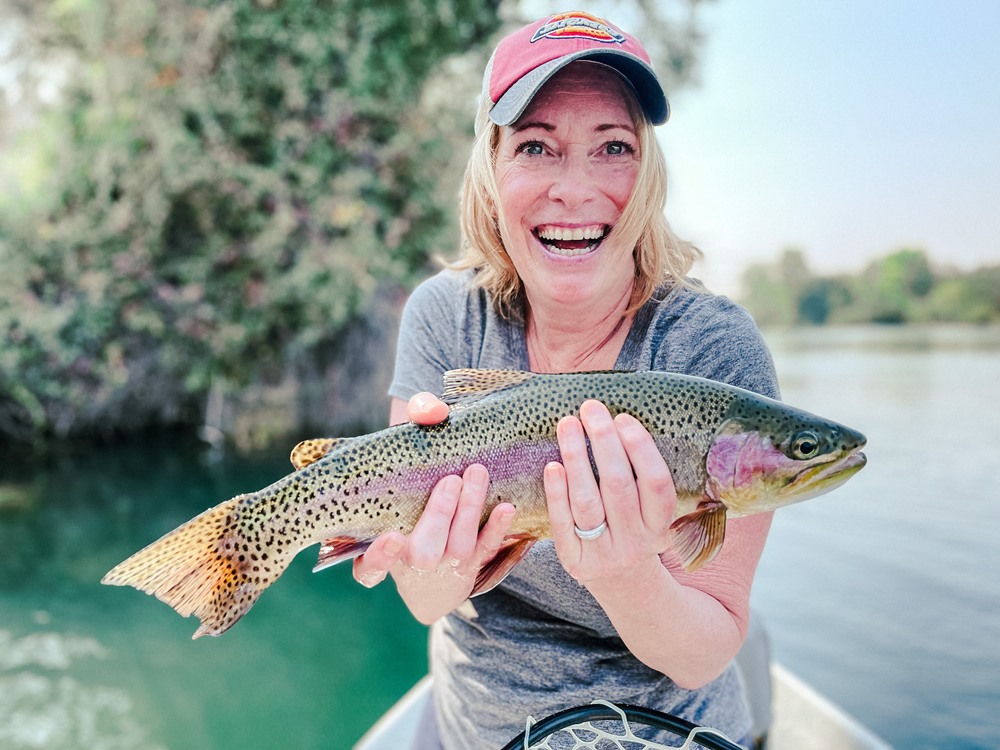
[(426, 409)]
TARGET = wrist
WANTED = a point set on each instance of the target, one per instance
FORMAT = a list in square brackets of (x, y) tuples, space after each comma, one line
[(430, 595)]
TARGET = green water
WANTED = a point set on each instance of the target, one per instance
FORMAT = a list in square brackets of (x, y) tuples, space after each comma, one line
[(88, 666), (882, 595)]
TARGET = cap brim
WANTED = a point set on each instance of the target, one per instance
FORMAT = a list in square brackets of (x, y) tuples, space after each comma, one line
[(643, 80)]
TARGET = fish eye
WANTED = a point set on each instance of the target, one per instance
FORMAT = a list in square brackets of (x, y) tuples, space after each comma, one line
[(805, 445)]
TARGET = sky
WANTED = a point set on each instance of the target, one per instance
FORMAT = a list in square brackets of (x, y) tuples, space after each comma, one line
[(845, 129)]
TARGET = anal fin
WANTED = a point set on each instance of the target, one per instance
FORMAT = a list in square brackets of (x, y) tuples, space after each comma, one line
[(512, 551), (698, 536)]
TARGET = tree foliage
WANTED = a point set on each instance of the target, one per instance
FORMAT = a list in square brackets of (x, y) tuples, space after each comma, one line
[(221, 186), (902, 287), (226, 182)]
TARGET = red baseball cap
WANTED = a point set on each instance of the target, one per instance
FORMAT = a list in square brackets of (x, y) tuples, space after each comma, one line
[(524, 60)]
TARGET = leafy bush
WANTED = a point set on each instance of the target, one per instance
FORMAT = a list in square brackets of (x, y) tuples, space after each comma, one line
[(224, 183)]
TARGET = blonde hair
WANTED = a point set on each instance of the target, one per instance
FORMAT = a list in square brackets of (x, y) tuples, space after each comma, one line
[(660, 256)]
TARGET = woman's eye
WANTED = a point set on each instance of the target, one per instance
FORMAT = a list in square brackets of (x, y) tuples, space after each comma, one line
[(532, 148), (618, 148)]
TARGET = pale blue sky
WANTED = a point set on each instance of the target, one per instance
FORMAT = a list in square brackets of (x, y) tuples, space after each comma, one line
[(849, 129)]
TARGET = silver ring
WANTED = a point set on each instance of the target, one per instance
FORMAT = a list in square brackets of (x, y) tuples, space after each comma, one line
[(591, 533)]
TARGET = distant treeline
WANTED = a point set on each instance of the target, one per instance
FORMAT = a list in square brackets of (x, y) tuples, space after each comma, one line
[(903, 287)]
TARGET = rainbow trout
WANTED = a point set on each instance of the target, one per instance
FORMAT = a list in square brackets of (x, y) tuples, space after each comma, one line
[(731, 453)]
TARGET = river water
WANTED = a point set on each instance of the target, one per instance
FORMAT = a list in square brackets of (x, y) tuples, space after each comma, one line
[(884, 595)]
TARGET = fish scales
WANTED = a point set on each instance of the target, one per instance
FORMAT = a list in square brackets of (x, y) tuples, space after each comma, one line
[(730, 452)]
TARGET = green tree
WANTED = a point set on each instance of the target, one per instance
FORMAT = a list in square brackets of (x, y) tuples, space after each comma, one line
[(772, 291), (228, 182), (967, 298), (890, 289), (821, 298)]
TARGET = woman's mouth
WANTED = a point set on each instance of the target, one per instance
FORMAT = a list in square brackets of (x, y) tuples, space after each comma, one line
[(570, 242)]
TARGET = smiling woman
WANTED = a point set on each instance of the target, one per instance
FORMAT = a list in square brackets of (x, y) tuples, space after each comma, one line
[(569, 265), (564, 174)]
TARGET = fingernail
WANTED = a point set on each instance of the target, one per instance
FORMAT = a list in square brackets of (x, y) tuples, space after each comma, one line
[(476, 476), (371, 580)]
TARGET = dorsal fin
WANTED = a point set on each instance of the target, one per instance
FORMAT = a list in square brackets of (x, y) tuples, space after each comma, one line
[(463, 387), (310, 451)]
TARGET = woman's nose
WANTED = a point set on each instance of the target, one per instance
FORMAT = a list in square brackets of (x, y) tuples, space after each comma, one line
[(573, 182)]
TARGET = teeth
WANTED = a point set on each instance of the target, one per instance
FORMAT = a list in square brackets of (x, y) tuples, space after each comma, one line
[(578, 233), (570, 253)]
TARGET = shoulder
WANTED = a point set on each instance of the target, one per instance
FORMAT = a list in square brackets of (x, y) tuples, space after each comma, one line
[(443, 327), (688, 315), (445, 289), (448, 301), (711, 336)]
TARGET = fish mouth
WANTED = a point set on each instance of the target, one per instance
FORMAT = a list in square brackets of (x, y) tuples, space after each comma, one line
[(571, 242), (822, 477)]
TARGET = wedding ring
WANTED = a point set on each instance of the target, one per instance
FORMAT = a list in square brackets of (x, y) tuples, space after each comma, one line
[(591, 533)]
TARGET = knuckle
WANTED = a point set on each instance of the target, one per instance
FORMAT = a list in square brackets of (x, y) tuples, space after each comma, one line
[(658, 480), (618, 485), (586, 498), (588, 506), (460, 547), (423, 561), (662, 486), (562, 527), (599, 424), (573, 451)]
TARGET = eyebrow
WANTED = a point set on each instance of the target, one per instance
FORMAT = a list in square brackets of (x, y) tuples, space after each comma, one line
[(519, 126), (549, 127)]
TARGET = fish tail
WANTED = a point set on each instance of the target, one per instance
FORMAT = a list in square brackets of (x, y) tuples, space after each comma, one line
[(208, 567)]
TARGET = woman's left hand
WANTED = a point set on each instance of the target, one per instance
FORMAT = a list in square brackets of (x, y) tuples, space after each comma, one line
[(635, 496)]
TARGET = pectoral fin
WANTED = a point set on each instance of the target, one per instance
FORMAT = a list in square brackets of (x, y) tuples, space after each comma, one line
[(340, 548), (698, 536), (512, 551)]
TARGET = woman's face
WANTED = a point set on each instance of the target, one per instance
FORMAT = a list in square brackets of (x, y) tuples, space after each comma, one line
[(565, 171)]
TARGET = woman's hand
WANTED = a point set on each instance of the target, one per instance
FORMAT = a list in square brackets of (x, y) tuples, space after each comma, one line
[(635, 496), (435, 565), (686, 625)]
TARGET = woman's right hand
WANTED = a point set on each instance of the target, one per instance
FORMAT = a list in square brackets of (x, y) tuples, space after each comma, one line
[(435, 565)]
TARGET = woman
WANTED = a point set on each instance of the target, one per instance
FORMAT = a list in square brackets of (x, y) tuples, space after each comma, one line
[(568, 266)]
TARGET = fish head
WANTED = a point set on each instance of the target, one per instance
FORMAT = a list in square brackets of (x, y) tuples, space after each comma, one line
[(771, 455)]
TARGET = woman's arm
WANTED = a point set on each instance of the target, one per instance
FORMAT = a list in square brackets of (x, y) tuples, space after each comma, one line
[(688, 626), (435, 566)]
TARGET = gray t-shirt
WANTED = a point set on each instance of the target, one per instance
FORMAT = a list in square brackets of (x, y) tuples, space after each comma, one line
[(538, 642)]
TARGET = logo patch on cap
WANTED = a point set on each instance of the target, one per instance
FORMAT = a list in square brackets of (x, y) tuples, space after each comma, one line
[(577, 25)]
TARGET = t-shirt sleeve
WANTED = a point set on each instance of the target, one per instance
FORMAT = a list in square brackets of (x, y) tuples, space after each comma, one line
[(429, 336)]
